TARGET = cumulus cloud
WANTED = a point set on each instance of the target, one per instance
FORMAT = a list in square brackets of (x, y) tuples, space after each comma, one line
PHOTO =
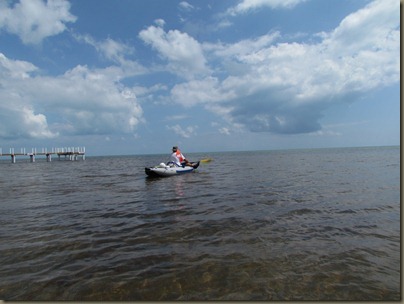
[(15, 68), (35, 20), (286, 87), (81, 101), (204, 91), (184, 54), (24, 122), (246, 6)]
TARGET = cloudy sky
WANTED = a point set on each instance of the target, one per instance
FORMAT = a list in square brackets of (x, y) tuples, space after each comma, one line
[(137, 77)]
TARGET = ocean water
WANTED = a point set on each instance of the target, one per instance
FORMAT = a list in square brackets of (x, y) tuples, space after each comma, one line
[(318, 224)]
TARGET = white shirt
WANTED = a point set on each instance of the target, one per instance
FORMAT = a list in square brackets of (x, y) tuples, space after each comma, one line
[(174, 158)]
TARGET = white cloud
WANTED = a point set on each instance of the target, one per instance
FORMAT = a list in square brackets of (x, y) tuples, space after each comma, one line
[(202, 91), (285, 87), (186, 6), (147, 92), (183, 132), (81, 101), (184, 53), (224, 24), (35, 20), (176, 117), (160, 22), (15, 68), (22, 121), (325, 133), (249, 5), (224, 130), (368, 29), (239, 49), (116, 52)]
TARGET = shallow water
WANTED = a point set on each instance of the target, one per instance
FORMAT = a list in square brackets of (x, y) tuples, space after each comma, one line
[(276, 225)]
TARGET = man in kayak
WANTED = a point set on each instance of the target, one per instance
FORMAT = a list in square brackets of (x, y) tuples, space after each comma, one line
[(179, 159)]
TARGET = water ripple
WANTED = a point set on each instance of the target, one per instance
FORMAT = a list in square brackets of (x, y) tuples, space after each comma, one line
[(293, 225)]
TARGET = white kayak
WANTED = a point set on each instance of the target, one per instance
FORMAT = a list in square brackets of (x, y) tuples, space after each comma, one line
[(169, 169)]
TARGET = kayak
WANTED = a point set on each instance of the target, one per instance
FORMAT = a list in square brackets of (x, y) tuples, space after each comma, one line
[(169, 169)]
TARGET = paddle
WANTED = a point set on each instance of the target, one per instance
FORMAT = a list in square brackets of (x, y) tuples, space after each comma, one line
[(206, 160), (203, 161)]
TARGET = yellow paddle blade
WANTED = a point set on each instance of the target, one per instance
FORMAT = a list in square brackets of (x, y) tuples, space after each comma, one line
[(206, 160)]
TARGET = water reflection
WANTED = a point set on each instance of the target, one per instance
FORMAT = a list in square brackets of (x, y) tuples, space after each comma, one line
[(179, 186)]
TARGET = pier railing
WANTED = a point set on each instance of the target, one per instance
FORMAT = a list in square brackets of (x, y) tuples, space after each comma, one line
[(69, 153)]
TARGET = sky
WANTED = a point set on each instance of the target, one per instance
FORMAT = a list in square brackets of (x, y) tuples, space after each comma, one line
[(124, 77)]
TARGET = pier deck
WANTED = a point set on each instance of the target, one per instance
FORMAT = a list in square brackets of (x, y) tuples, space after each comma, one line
[(71, 153)]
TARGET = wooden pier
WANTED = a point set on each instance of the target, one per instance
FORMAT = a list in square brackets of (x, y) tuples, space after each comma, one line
[(69, 153)]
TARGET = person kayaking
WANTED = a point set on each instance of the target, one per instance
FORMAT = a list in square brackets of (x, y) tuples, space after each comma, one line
[(179, 159)]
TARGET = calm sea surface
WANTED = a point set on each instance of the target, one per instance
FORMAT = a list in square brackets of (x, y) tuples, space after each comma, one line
[(276, 225)]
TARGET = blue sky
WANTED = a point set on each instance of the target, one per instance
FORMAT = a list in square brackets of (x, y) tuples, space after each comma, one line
[(137, 77)]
